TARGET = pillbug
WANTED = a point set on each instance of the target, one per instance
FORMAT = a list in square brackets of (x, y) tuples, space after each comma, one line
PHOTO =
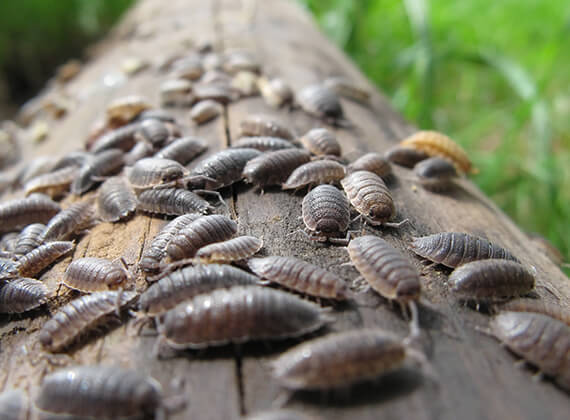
[(153, 131), (453, 249), (38, 259), (17, 214), (263, 144), (237, 315), (14, 405), (172, 201), (101, 392), (22, 295), (188, 282), (370, 197), (79, 316), (183, 150), (140, 150), (95, 274), (125, 109), (54, 184), (438, 144), (372, 162), (122, 138), (152, 172), (222, 168), (314, 173), (156, 251), (321, 142), (176, 92), (321, 102), (341, 359), (103, 164), (259, 125), (276, 91), (539, 339), (550, 309), (201, 232), (405, 156), (490, 280), (29, 238), (72, 220), (301, 276), (273, 168), (205, 111), (326, 214), (115, 200), (346, 88), (435, 174), (235, 249)]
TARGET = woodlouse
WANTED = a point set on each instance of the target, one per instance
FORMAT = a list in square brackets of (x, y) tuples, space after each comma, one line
[(263, 143), (315, 173), (370, 196), (72, 220), (22, 295), (154, 132), (435, 174), (236, 61), (54, 184), (189, 67), (301, 276), (101, 392), (157, 114), (245, 83), (539, 306), (17, 214), (176, 92), (151, 172), (80, 315), (438, 144), (222, 168), (273, 168), (126, 108), (29, 238), (326, 214), (321, 142), (321, 102), (372, 162), (188, 282), (105, 163), (201, 232), (205, 111), (259, 125), (490, 280), (539, 339), (122, 138), (235, 249), (220, 93), (405, 156), (183, 150), (76, 158), (140, 150), (453, 249), (156, 251), (239, 314), (95, 275), (41, 257), (172, 201), (342, 359), (115, 200), (348, 89), (276, 91)]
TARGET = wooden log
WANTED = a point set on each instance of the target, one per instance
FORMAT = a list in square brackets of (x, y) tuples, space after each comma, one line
[(477, 378)]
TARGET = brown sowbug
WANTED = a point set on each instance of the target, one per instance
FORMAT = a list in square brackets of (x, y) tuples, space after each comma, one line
[(101, 392), (80, 315), (372, 162), (370, 196), (29, 238), (235, 249), (183, 284), (95, 274), (341, 359), (73, 219), (122, 138), (301, 276), (237, 315), (41, 257), (259, 125), (205, 111), (326, 214), (539, 306), (105, 163), (321, 102), (273, 168), (438, 144), (321, 142), (14, 405), (348, 89), (405, 156), (314, 173), (22, 295), (183, 150), (172, 201), (435, 174), (55, 184), (156, 251), (453, 249), (201, 232), (17, 214), (263, 144), (222, 168), (115, 200), (152, 172), (489, 280), (537, 338)]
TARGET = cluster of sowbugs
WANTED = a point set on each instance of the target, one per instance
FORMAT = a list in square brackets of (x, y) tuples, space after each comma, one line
[(205, 286)]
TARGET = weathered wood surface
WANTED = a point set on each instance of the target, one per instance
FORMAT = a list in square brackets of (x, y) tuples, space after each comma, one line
[(478, 378)]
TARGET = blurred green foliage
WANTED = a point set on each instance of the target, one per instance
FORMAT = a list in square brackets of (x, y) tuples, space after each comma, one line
[(492, 75)]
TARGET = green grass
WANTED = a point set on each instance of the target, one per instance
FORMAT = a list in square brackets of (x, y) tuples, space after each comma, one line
[(492, 75)]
